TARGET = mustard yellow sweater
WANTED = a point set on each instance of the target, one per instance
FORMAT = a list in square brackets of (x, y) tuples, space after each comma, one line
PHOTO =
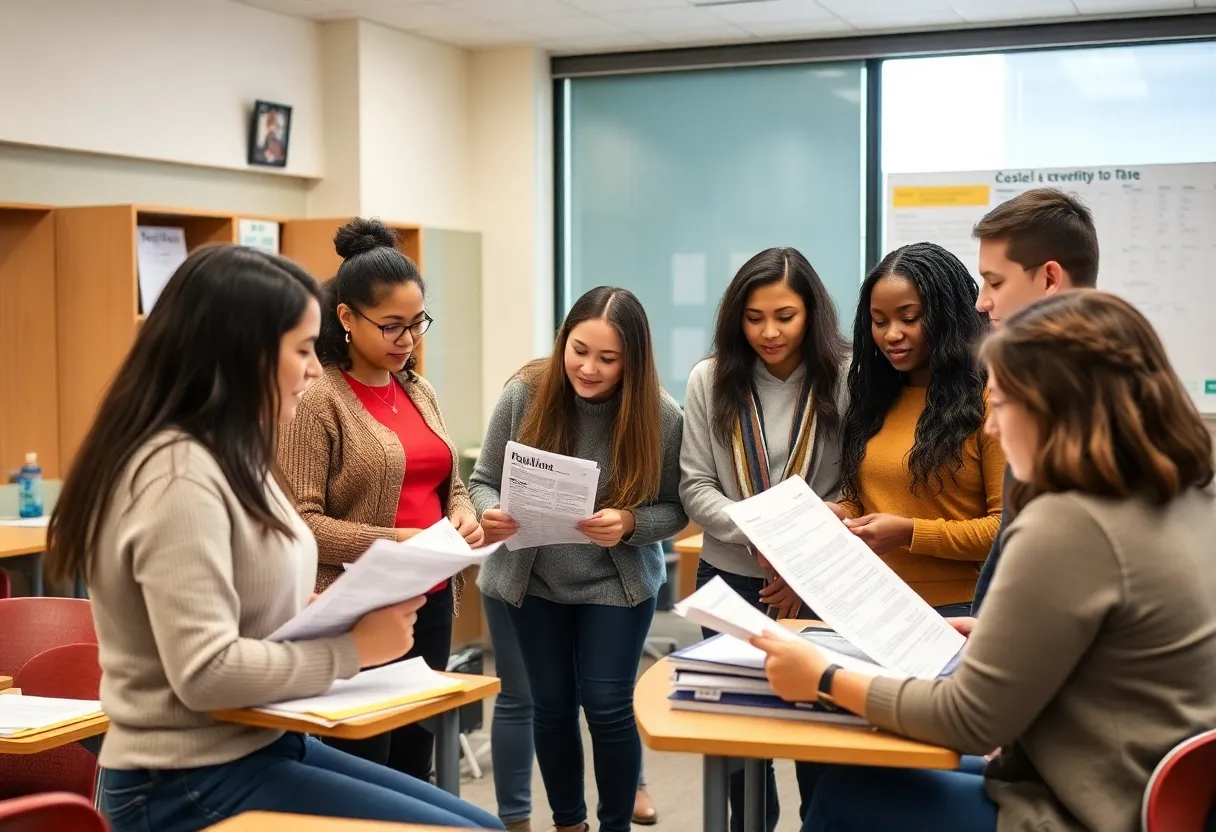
[(953, 529)]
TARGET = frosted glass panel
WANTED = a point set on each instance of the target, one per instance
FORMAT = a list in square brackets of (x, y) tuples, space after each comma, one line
[(673, 180)]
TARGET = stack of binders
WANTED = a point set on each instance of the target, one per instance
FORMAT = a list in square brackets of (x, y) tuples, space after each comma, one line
[(725, 675)]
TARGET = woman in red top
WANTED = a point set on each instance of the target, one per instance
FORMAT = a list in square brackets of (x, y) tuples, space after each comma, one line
[(367, 455)]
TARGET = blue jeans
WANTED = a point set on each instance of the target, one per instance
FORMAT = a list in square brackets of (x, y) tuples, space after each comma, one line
[(296, 774), (585, 655), (861, 798), (807, 773)]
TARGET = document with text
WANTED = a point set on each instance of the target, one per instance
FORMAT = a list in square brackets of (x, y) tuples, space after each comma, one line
[(848, 586), (387, 573), (547, 494)]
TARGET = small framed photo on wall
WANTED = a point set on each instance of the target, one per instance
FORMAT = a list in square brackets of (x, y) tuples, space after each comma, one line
[(269, 133)]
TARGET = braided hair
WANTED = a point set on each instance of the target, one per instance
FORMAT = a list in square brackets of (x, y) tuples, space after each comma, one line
[(954, 406)]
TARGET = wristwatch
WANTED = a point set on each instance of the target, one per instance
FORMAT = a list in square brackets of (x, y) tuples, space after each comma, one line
[(825, 688)]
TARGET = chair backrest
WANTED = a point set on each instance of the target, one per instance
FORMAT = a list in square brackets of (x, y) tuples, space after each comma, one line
[(31, 625), (50, 812), (69, 671), (1182, 789)]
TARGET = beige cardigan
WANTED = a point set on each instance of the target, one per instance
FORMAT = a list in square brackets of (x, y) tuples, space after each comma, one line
[(345, 470)]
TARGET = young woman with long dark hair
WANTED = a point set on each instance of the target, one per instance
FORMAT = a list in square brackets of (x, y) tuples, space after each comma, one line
[(581, 612), (193, 555), (921, 481), (765, 406)]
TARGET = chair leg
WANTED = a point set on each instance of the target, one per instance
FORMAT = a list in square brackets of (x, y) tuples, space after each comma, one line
[(467, 750)]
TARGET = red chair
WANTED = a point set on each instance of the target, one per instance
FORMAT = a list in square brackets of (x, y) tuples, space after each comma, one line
[(54, 812), (69, 671), (1181, 792), (31, 625)]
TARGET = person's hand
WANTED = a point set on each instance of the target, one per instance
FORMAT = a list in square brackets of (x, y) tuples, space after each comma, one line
[(497, 525), (607, 526), (839, 511), (387, 633), (405, 534), (964, 624), (469, 529), (777, 593), (793, 667), (882, 532)]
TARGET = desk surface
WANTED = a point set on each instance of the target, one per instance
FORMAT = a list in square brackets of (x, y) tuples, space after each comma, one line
[(277, 822), (55, 737), (690, 545), (21, 540), (6, 682), (360, 728), (727, 735)]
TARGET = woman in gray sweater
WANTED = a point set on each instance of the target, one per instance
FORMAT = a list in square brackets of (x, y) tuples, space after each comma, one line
[(581, 612), (1095, 652)]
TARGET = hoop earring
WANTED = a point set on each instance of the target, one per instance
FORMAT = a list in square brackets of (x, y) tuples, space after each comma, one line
[(348, 336)]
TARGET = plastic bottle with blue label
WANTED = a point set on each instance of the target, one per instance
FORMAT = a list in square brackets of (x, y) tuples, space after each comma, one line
[(29, 487)]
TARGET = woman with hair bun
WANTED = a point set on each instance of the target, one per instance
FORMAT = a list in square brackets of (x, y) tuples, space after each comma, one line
[(367, 455)]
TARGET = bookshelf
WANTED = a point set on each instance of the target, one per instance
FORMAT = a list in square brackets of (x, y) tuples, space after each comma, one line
[(29, 397)]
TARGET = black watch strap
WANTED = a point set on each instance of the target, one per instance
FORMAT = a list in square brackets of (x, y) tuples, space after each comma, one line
[(825, 688)]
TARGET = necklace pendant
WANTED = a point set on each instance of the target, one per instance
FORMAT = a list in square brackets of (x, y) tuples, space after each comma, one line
[(393, 407)]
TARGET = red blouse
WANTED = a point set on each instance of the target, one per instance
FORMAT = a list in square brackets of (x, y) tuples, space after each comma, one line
[(428, 459)]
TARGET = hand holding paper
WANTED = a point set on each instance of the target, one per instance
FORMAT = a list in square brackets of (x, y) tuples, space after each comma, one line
[(546, 495)]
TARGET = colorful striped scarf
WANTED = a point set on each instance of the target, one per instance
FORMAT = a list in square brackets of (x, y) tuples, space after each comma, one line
[(750, 449)]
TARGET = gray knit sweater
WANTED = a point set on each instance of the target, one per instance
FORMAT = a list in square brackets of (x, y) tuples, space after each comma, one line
[(624, 575)]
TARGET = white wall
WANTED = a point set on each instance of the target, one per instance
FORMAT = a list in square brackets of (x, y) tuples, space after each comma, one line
[(414, 129), (512, 171), (339, 194), (150, 79)]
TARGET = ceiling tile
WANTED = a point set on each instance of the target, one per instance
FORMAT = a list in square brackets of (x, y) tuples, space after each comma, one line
[(823, 27), (772, 11), (882, 8), (608, 6), (905, 19), (701, 37), (484, 35), (508, 11), (649, 21), (413, 16), (627, 41), (1126, 6), (575, 26), (986, 11)]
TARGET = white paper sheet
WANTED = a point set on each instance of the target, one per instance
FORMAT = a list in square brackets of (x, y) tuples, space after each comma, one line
[(386, 574), (721, 609), (847, 585), (159, 251), (19, 714), (372, 691), (546, 494)]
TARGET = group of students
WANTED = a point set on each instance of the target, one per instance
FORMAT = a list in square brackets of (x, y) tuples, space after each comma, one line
[(262, 432)]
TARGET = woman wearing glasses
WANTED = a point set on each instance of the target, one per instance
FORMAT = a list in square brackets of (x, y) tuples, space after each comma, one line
[(367, 455)]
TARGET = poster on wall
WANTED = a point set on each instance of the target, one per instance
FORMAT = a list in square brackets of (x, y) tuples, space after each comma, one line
[(259, 234)]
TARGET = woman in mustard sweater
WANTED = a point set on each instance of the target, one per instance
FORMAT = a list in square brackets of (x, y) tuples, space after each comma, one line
[(920, 481)]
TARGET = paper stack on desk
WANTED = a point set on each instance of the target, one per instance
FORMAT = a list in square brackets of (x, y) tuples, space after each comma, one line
[(369, 693), (22, 715)]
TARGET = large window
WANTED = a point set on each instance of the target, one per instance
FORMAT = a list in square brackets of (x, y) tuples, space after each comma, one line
[(672, 180)]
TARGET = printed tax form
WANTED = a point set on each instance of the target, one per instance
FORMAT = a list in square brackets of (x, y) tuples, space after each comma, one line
[(546, 494)]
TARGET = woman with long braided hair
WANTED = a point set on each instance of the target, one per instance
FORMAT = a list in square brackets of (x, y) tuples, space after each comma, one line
[(920, 482)]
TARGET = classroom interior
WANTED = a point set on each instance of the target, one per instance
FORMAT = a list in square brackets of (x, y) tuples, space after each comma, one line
[(526, 151)]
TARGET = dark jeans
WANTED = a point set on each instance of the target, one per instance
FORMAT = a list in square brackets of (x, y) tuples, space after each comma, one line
[(954, 610), (293, 774), (861, 798), (807, 773), (409, 749), (584, 654)]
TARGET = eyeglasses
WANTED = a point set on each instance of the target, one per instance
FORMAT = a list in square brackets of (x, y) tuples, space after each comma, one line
[(394, 332)]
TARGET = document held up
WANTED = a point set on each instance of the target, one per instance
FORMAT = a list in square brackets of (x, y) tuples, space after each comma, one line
[(547, 494)]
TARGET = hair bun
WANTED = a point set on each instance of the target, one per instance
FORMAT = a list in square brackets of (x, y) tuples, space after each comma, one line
[(363, 234)]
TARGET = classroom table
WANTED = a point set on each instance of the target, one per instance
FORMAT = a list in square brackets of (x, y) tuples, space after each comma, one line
[(444, 712), (278, 822), (720, 738), (689, 550), (28, 544), (78, 731), (6, 682)]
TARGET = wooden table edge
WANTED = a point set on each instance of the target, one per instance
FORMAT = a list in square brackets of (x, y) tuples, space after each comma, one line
[(55, 737), (257, 821), (6, 682)]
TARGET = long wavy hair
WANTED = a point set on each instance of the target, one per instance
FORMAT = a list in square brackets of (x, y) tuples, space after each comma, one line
[(550, 423), (823, 347), (954, 404), (1114, 419)]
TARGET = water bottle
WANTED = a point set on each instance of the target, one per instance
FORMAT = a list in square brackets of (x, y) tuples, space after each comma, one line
[(29, 487)]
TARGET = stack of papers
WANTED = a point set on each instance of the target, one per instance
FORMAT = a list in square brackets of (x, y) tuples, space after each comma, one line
[(370, 693), (547, 495), (22, 715)]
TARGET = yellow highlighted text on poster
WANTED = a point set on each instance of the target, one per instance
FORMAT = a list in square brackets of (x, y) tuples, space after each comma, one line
[(939, 196)]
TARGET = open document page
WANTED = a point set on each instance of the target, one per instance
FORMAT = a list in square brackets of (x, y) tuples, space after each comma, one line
[(386, 574), (546, 494), (717, 607), (844, 582)]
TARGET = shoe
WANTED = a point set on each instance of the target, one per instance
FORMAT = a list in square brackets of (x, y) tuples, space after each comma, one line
[(644, 812), (524, 825), (582, 827)]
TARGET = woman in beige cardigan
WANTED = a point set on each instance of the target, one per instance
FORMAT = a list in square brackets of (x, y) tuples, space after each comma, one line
[(367, 455)]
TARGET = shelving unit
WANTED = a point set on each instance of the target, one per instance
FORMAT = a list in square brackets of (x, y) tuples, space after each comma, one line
[(29, 398)]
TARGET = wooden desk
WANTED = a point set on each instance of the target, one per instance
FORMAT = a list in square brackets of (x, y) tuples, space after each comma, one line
[(277, 822), (721, 738), (55, 737), (6, 682), (445, 711), (25, 542), (689, 550)]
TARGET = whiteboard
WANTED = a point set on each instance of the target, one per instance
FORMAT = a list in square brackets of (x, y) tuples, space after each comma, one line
[(1156, 238)]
